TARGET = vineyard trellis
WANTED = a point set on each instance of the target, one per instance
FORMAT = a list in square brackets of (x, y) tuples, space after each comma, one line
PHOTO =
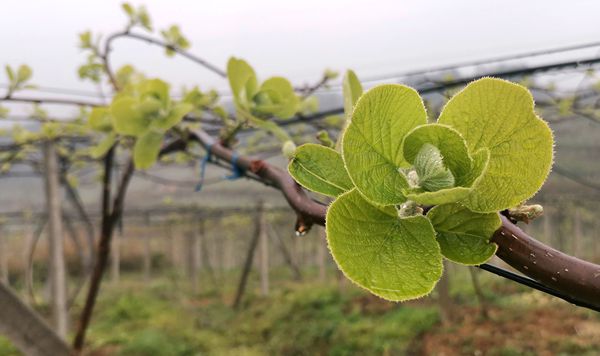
[(580, 285)]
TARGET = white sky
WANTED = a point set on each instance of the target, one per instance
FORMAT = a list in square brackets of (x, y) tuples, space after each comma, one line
[(297, 39)]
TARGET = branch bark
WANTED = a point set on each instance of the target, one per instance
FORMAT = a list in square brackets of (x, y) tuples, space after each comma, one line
[(571, 276)]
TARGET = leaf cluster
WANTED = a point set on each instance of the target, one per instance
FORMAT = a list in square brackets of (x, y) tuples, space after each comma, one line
[(488, 151)]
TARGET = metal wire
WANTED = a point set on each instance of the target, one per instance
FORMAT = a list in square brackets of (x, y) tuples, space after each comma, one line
[(528, 282)]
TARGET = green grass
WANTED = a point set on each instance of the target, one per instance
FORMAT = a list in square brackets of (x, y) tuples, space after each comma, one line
[(294, 320), (164, 317)]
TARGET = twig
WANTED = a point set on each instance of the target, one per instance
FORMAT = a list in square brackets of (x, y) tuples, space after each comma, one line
[(126, 34)]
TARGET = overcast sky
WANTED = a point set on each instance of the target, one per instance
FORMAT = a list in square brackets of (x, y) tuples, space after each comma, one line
[(293, 38)]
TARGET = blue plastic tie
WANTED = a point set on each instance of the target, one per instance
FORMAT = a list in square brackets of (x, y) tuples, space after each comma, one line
[(236, 171), (203, 163)]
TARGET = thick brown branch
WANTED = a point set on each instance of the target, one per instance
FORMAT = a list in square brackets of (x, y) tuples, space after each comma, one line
[(567, 274)]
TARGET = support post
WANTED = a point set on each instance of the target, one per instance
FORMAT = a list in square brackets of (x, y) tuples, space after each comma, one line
[(3, 256), (322, 255), (57, 257), (264, 253), (248, 262), (115, 254)]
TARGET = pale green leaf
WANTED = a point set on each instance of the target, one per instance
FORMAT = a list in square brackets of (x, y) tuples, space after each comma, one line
[(372, 143), (146, 149), (175, 116), (128, 9), (480, 163), (448, 141), (242, 81), (100, 119), (126, 119), (499, 115), (103, 146), (10, 73), (431, 170), (463, 235), (442, 196), (320, 169), (352, 90), (157, 89), (23, 73), (284, 103), (396, 259), (144, 18)]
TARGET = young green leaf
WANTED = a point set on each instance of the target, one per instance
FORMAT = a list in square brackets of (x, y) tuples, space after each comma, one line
[(481, 159), (498, 115), (442, 196), (464, 235), (23, 73), (320, 169), (144, 18), (178, 111), (283, 101), (146, 149), (242, 81), (104, 145), (396, 259), (155, 88), (10, 73), (431, 170), (128, 9), (448, 141), (126, 119), (100, 119), (372, 143), (352, 90)]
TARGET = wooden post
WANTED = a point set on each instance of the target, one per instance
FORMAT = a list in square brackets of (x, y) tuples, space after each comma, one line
[(479, 292), (115, 261), (3, 256), (207, 264), (595, 238), (192, 258), (57, 256), (28, 233), (444, 299), (248, 262), (577, 232), (287, 257), (147, 266), (322, 254), (264, 253), (548, 230), (26, 329)]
